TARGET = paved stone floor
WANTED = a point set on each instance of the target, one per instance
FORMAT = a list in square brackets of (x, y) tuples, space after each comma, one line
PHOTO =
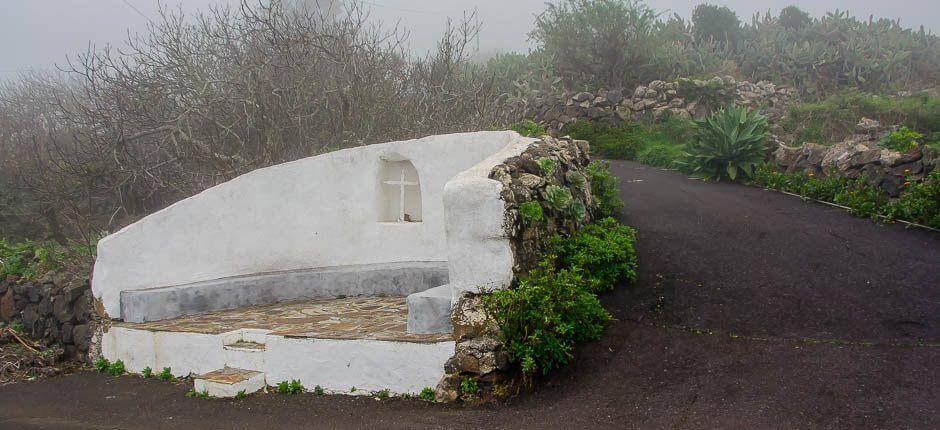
[(374, 318)]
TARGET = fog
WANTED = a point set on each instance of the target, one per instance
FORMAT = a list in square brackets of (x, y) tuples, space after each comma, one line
[(38, 34)]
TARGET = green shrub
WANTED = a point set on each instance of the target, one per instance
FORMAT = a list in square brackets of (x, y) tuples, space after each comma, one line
[(528, 128), (861, 198), (116, 368), (603, 252), (604, 190), (794, 18), (727, 143), (469, 387), (166, 374), (545, 315), (427, 394), (382, 394), (919, 202), (102, 364), (660, 154), (531, 212), (290, 387), (558, 198), (241, 394), (711, 22), (902, 140), (318, 390), (619, 141), (146, 372)]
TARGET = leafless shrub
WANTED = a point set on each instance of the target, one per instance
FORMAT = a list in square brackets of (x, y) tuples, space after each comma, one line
[(198, 100)]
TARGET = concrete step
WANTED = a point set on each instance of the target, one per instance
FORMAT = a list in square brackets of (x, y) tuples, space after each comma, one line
[(244, 349), (429, 311), (228, 382)]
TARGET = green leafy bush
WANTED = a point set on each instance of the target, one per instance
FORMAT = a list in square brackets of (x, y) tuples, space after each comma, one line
[(711, 22), (861, 198), (241, 394), (603, 252), (102, 364), (469, 387), (726, 144), (382, 394), (427, 394), (902, 140), (116, 368), (146, 372), (318, 390), (528, 128), (604, 190), (619, 141), (531, 211), (660, 154), (545, 315), (166, 374), (919, 202), (290, 387)]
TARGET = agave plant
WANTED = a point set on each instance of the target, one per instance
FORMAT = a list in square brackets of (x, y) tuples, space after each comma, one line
[(728, 142)]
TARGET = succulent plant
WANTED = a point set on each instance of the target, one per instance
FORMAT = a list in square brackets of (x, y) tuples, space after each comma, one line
[(559, 198)]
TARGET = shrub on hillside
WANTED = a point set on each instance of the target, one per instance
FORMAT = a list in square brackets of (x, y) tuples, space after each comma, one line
[(726, 144), (602, 252)]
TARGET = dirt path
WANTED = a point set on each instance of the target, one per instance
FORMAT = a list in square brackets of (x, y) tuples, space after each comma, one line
[(753, 310)]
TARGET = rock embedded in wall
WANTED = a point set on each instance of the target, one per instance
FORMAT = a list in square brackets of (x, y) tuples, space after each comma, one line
[(479, 352)]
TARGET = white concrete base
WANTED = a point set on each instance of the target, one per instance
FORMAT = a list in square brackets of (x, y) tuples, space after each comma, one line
[(335, 365), (230, 383)]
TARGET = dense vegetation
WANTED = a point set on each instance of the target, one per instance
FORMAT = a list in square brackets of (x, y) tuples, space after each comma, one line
[(918, 202), (815, 55)]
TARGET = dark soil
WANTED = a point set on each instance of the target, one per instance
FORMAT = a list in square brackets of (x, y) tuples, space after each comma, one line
[(753, 310)]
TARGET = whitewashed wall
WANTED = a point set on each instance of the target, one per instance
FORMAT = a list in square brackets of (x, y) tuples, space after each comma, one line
[(315, 212)]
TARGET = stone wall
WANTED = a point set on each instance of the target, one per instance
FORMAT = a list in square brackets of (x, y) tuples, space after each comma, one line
[(686, 98), (56, 310), (479, 352), (860, 155)]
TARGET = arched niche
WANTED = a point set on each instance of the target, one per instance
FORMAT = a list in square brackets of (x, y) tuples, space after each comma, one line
[(399, 190)]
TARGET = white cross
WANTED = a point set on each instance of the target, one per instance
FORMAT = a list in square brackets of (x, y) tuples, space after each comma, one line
[(401, 183)]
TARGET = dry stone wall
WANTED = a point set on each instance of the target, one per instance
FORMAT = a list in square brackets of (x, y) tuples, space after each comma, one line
[(686, 98), (55, 310), (479, 352), (861, 155)]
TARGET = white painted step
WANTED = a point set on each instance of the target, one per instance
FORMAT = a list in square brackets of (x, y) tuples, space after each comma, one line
[(228, 382), (244, 349)]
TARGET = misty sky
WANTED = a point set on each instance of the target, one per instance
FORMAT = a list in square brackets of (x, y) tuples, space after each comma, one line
[(41, 33)]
